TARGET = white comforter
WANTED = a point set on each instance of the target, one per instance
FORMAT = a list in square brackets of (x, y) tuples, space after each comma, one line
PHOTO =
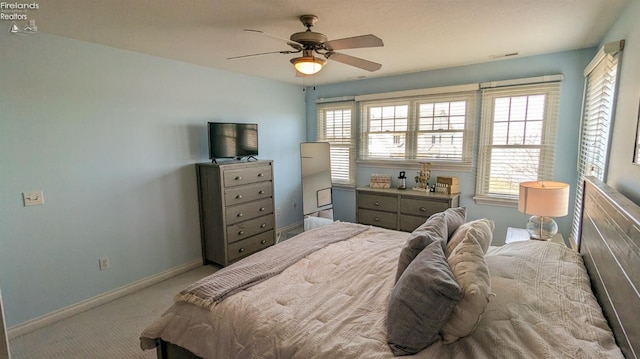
[(332, 304)]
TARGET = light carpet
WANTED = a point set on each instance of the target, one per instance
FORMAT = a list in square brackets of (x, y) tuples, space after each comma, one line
[(109, 331)]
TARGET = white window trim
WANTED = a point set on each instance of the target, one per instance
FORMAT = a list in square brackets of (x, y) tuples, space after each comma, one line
[(327, 105), (417, 93), (415, 164), (522, 81), (445, 94), (486, 124)]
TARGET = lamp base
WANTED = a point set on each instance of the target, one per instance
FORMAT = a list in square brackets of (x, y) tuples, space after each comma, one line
[(541, 228)]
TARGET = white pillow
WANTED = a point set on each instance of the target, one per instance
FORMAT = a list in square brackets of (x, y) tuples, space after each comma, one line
[(472, 274), (485, 229)]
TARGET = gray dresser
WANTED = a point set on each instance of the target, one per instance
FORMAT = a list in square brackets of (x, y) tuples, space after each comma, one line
[(236, 209), (402, 210)]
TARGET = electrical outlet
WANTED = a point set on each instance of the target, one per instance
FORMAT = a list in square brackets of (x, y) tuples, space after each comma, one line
[(33, 198), (103, 263), (278, 212)]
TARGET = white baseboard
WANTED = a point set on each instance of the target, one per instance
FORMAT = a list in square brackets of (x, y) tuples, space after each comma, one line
[(66, 312)]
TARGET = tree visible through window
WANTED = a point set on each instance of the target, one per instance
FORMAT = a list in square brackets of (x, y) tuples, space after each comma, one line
[(517, 143)]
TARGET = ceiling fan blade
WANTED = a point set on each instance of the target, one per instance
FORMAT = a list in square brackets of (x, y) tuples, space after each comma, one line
[(354, 61), (293, 44), (354, 42), (262, 53)]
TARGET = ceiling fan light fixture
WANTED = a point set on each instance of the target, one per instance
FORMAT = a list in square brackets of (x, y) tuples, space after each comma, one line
[(308, 65)]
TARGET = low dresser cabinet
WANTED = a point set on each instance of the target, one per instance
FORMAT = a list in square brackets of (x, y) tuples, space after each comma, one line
[(402, 210)]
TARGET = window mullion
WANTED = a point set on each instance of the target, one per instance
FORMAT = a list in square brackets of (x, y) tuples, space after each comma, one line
[(412, 131)]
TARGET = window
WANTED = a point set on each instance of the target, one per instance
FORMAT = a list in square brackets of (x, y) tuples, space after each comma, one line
[(597, 117), (435, 128), (517, 139), (335, 125)]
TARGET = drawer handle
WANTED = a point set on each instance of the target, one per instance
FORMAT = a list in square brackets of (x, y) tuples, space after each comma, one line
[(239, 196), (240, 250), (240, 215), (376, 219), (240, 233), (238, 178), (422, 209), (262, 209), (376, 203), (260, 174), (263, 225), (263, 241), (261, 192)]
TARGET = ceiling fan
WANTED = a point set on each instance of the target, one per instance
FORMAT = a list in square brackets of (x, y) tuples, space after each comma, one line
[(310, 43)]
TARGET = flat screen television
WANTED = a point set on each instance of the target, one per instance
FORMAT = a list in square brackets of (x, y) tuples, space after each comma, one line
[(232, 140)]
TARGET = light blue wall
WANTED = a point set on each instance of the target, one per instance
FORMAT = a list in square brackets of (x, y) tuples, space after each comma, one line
[(623, 175), (571, 64), (111, 137)]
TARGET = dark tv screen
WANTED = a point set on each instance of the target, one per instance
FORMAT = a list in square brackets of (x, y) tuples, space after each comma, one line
[(230, 140)]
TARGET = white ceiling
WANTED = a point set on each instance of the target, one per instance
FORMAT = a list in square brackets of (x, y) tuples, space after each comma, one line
[(418, 34)]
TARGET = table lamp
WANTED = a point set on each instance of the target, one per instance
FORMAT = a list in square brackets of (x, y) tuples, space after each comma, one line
[(543, 200)]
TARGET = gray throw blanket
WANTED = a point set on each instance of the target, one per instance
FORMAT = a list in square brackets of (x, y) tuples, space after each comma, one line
[(262, 265)]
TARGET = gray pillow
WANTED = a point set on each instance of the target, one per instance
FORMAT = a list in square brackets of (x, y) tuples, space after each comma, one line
[(438, 227), (455, 218), (421, 302)]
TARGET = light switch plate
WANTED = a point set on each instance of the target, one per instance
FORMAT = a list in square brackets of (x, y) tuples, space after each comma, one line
[(33, 198)]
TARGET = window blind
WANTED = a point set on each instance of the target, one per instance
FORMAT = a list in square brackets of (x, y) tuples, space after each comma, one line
[(336, 126), (517, 138), (597, 119)]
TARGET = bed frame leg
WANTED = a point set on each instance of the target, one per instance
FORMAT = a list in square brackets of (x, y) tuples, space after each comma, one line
[(166, 350), (161, 350)]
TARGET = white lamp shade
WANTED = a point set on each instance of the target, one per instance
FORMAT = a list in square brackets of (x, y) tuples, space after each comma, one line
[(544, 198)]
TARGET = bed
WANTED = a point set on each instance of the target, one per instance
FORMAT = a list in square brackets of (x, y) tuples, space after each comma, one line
[(351, 291)]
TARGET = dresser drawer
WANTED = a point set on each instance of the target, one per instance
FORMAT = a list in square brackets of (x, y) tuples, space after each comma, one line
[(237, 195), (400, 209), (250, 245), (240, 176), (249, 228), (421, 207), (409, 223), (378, 202), (377, 218), (243, 212)]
